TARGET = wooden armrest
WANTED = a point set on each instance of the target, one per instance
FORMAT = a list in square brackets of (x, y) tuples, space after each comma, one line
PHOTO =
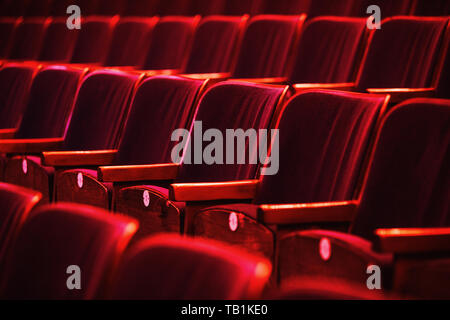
[(346, 86), (245, 189), (274, 80), (7, 133), (400, 94), (30, 145), (165, 72), (205, 76), (343, 211), (166, 171), (408, 240), (78, 158)]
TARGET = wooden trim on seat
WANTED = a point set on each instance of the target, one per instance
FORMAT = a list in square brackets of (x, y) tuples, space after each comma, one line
[(238, 190), (78, 158), (400, 94), (166, 171), (343, 211), (409, 240)]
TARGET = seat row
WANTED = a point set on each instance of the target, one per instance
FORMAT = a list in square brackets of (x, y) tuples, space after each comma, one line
[(228, 7), (277, 49)]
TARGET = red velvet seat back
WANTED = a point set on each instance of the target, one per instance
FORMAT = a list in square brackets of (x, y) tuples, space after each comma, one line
[(323, 140), (170, 42), (16, 204), (110, 7), (214, 43), (328, 50), (171, 267), (230, 105), (59, 41), (101, 108), (58, 236), (93, 40), (409, 178), (266, 46), (50, 103), (161, 105), (130, 42), (28, 39), (15, 82), (403, 53), (7, 29)]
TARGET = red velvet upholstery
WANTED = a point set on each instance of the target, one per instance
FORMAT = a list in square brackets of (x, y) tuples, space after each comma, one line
[(93, 40), (130, 42), (110, 7), (28, 39), (170, 41), (7, 29), (328, 50), (327, 167), (16, 204), (266, 46), (215, 41), (231, 105), (322, 169), (141, 8), (206, 7), (15, 82), (172, 267), (56, 237), (59, 41), (161, 105), (403, 53), (407, 186), (409, 177), (101, 107), (50, 103)]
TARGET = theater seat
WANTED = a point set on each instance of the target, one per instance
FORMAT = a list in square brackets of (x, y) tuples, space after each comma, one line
[(170, 43), (156, 268), (57, 240), (58, 42), (326, 168), (93, 40), (329, 50), (224, 105), (388, 8), (215, 42), (239, 7), (16, 203), (406, 187), (402, 57), (265, 48), (96, 123), (87, 7), (161, 105), (130, 42)]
